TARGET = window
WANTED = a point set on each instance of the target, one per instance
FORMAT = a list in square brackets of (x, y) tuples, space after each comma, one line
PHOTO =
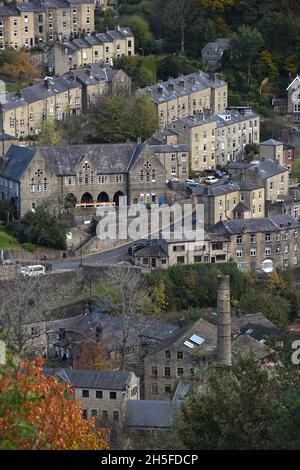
[(113, 395), (115, 416), (179, 355), (267, 251), (167, 371), (119, 179), (154, 389), (142, 176), (295, 234), (102, 179), (253, 238), (168, 389), (99, 394), (253, 252), (45, 184), (154, 371), (268, 237), (105, 415), (94, 413), (85, 393), (239, 254), (167, 354), (239, 240), (179, 371), (32, 185)]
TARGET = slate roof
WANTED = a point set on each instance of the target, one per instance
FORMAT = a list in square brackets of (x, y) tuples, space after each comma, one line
[(268, 168), (80, 378), (4, 136), (150, 414), (168, 148), (264, 224), (107, 158), (241, 207), (154, 250), (8, 10), (219, 119), (16, 161), (271, 142), (97, 74), (220, 43), (245, 345), (201, 327), (39, 91), (203, 81), (257, 319)]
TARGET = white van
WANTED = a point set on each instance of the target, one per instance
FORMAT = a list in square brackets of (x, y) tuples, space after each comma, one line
[(34, 270)]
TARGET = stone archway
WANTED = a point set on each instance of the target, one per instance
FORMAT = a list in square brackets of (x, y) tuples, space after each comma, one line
[(117, 196), (103, 197), (86, 198)]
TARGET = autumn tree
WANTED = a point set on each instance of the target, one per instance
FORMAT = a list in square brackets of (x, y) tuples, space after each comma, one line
[(22, 68), (94, 354), (37, 413)]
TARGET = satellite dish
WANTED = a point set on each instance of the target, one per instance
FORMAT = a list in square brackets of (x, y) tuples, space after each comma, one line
[(268, 265)]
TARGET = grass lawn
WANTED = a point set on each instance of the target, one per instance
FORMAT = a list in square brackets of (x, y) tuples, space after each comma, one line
[(7, 242)]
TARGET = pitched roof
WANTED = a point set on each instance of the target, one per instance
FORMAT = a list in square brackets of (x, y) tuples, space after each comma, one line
[(241, 207), (296, 79), (107, 158), (150, 413), (51, 86), (4, 136), (220, 43), (271, 142), (257, 319), (192, 83), (153, 250), (80, 378), (264, 224), (94, 74), (245, 345), (16, 161), (267, 168)]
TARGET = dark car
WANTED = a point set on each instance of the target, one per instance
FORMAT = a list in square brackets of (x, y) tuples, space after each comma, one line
[(138, 246), (44, 258)]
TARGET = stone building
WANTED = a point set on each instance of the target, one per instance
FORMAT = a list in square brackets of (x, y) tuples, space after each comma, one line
[(34, 23), (57, 98), (217, 139), (96, 48), (178, 357), (103, 395), (293, 91), (213, 51), (271, 149), (263, 244), (236, 200), (82, 175), (188, 95), (273, 176)]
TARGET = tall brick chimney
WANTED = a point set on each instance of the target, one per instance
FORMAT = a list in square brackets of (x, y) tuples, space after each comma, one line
[(224, 321)]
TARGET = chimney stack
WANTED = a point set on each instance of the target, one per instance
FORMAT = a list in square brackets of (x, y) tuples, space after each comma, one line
[(224, 321)]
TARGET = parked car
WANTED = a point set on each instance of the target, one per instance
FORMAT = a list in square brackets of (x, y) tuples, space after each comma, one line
[(211, 179), (8, 262), (192, 183), (33, 270), (44, 258), (137, 246)]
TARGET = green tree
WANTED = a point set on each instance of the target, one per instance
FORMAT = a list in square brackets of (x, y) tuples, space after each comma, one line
[(111, 120), (49, 134), (46, 226), (296, 169), (245, 46), (143, 121), (236, 408)]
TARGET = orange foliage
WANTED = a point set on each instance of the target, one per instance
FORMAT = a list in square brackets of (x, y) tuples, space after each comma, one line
[(94, 355), (47, 408)]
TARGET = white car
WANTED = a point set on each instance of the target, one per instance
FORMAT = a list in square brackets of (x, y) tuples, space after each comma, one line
[(33, 270), (211, 179)]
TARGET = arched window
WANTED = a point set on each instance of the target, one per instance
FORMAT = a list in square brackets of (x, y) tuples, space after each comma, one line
[(39, 186), (32, 185), (153, 175), (142, 176), (45, 184), (147, 176)]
